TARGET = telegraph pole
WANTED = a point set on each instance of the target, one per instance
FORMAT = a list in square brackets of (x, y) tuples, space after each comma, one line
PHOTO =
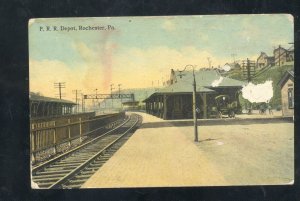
[(82, 103), (233, 56), (209, 62), (76, 99), (119, 85), (59, 85), (248, 71), (112, 101)]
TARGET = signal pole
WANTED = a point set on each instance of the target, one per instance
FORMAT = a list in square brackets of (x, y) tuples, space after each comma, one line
[(59, 85)]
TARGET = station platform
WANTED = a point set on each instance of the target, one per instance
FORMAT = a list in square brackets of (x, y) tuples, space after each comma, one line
[(164, 155)]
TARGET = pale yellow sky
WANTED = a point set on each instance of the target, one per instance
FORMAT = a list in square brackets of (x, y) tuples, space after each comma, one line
[(142, 50)]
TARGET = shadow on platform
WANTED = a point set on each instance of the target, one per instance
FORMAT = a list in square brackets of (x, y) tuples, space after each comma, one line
[(212, 122)]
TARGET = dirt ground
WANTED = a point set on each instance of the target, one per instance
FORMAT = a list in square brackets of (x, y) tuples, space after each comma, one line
[(253, 154)]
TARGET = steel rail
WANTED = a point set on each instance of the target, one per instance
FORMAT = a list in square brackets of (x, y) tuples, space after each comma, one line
[(83, 165), (43, 165)]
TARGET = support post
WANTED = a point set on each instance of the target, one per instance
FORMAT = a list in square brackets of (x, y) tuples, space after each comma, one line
[(165, 107), (194, 109), (33, 146), (80, 130), (204, 106), (69, 132), (54, 139)]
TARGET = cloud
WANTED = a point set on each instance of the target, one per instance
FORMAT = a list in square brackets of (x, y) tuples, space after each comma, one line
[(43, 75), (134, 68)]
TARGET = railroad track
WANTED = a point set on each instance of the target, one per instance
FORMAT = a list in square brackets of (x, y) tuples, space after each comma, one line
[(72, 169)]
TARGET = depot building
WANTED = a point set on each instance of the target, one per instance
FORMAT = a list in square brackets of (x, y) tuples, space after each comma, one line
[(175, 100)]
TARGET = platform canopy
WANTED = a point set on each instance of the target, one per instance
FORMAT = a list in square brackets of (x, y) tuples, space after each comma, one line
[(36, 97), (206, 82), (42, 106)]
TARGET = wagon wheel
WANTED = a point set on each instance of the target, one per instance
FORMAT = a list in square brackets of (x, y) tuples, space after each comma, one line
[(220, 115), (231, 114)]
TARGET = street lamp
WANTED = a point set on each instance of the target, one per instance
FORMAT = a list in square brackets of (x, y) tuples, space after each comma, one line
[(194, 100)]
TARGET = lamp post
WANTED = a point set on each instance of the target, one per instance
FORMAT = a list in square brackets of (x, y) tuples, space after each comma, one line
[(194, 101)]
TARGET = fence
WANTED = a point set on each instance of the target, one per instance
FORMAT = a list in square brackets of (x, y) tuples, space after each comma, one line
[(50, 132)]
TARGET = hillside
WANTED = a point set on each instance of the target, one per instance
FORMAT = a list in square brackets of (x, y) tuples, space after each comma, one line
[(270, 73)]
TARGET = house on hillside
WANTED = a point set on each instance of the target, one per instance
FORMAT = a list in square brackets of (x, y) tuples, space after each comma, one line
[(175, 101), (287, 93), (233, 66), (283, 56), (264, 60)]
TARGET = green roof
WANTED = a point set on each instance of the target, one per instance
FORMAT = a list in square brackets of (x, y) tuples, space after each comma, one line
[(206, 82), (36, 97), (208, 78), (182, 87)]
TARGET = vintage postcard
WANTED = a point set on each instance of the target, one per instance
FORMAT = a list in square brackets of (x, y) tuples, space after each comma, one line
[(161, 101)]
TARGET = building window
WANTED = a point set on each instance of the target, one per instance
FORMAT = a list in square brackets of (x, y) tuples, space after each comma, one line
[(291, 98)]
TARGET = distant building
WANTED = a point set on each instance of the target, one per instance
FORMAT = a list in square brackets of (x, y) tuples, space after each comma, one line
[(287, 93), (264, 60), (131, 105), (175, 101), (233, 66), (283, 56)]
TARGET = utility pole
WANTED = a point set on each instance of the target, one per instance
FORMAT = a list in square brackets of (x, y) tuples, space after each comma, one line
[(233, 56), (112, 101), (209, 62), (248, 71), (59, 85), (76, 99), (119, 86), (82, 103), (96, 100)]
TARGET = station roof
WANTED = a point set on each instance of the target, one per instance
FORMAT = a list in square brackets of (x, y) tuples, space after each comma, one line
[(183, 87), (206, 82), (36, 97), (208, 78)]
